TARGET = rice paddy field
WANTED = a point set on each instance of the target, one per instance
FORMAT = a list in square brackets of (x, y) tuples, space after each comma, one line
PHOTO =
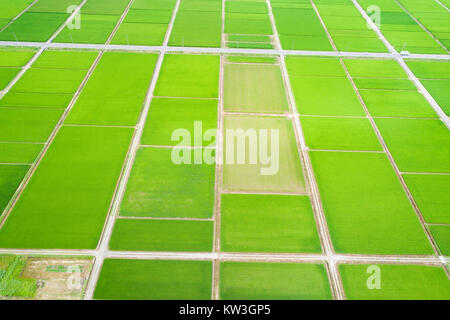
[(226, 149)]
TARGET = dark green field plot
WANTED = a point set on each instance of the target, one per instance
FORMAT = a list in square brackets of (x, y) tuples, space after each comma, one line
[(397, 103), (431, 195), (247, 23), (196, 26), (162, 235), (170, 114), (366, 208), (27, 125), (189, 76), (15, 57), (330, 133), (273, 166), (254, 88), (64, 200), (19, 152), (441, 234), (268, 223), (273, 281), (115, 93), (93, 29), (397, 282), (33, 26), (440, 90), (158, 187), (10, 178), (38, 100), (417, 145), (6, 76), (154, 279)]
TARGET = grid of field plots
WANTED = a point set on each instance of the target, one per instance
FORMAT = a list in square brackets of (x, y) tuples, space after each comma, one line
[(358, 207)]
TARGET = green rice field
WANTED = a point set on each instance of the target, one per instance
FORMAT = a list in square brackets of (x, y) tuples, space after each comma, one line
[(226, 149)]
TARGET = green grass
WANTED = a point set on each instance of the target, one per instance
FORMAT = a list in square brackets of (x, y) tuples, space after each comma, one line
[(162, 235), (12, 284), (19, 152), (340, 99), (64, 205), (197, 29), (268, 223), (115, 93), (330, 133), (398, 282), (440, 90), (273, 281), (375, 68), (30, 100), (417, 145), (154, 280), (94, 29), (254, 88), (33, 26), (189, 76), (10, 179), (140, 34), (50, 81), (167, 115), (441, 234), (397, 103), (159, 187), (367, 210), (27, 125), (61, 59), (431, 195), (15, 57), (282, 174)]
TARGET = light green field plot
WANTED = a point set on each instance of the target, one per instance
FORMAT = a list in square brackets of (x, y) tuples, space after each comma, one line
[(249, 45), (6, 76), (57, 59), (19, 152), (247, 23), (268, 223), (94, 29), (15, 57), (281, 171), (325, 96), (330, 133), (367, 210), (359, 44), (50, 81), (154, 280), (109, 7), (397, 103), (64, 200), (246, 7), (158, 187), (197, 28), (10, 179), (441, 235), (431, 195), (248, 38), (11, 8), (148, 16), (115, 93), (189, 76), (426, 69), (154, 4), (33, 26), (371, 68), (27, 125), (384, 84), (162, 235), (300, 28), (273, 281), (201, 5), (306, 66), (140, 34), (53, 5), (250, 59), (440, 90), (417, 145), (397, 282), (167, 115), (12, 281), (43, 100), (254, 88)]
